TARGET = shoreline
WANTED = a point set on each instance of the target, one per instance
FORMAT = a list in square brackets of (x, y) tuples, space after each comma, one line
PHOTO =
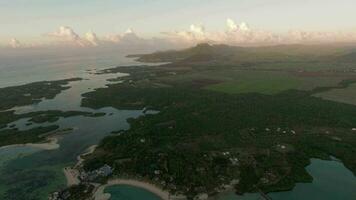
[(88, 151), (101, 195), (52, 144), (72, 173)]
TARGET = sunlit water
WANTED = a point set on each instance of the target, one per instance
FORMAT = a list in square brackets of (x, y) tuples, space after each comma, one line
[(22, 69)]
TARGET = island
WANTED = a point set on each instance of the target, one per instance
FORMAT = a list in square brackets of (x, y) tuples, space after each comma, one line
[(245, 119)]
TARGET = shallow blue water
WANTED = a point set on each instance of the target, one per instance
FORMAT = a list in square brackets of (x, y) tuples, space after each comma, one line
[(332, 181)]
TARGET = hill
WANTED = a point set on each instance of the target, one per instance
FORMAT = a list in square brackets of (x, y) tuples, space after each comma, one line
[(236, 55)]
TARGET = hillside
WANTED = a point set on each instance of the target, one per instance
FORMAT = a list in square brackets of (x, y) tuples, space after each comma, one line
[(236, 55)]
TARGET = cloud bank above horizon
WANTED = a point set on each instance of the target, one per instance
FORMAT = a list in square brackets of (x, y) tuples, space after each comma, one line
[(233, 34)]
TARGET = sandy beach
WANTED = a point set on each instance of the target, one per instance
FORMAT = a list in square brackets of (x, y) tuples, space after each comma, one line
[(72, 179), (101, 195), (50, 145), (71, 175)]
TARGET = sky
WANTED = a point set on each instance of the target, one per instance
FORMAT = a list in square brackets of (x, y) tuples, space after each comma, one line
[(34, 22)]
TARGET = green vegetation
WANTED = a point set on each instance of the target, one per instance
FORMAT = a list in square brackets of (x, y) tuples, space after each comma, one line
[(285, 56), (202, 139), (268, 86), (53, 115), (76, 192), (343, 95), (188, 151), (35, 135), (12, 135), (246, 117), (26, 95), (31, 93), (96, 114)]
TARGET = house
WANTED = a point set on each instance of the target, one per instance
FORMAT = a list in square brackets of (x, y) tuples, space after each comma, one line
[(103, 171)]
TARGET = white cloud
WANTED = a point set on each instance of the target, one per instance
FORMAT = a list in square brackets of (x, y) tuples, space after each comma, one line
[(14, 43), (197, 30), (67, 35), (114, 38), (65, 32), (231, 25), (92, 38), (129, 37), (234, 34), (242, 34), (195, 34)]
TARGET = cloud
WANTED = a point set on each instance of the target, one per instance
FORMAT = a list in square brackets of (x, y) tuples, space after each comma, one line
[(234, 34), (129, 37), (67, 35), (14, 43), (231, 25), (195, 34), (65, 32), (92, 38), (114, 38), (242, 34)]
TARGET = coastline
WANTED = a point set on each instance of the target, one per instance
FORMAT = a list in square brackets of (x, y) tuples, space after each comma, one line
[(88, 151), (101, 195), (72, 173), (52, 144)]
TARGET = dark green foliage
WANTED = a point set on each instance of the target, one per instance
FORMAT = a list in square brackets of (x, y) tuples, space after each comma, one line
[(31, 93), (54, 115), (14, 136), (79, 192), (204, 53), (186, 139)]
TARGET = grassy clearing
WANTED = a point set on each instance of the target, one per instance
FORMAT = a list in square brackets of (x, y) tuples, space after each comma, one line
[(346, 95), (268, 86), (235, 81)]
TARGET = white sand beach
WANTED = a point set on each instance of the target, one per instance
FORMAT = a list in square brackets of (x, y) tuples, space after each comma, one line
[(100, 195)]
